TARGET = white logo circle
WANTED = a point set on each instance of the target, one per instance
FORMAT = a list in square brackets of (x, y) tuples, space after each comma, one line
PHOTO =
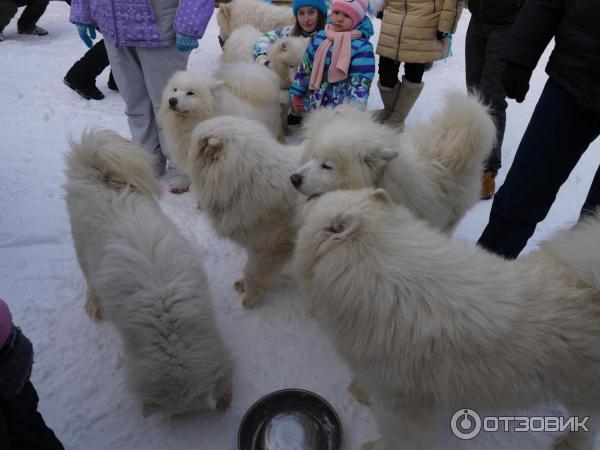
[(465, 424)]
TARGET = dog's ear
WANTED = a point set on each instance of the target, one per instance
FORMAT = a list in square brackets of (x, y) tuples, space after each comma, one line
[(225, 9), (208, 149), (345, 225), (378, 158), (381, 196), (149, 409)]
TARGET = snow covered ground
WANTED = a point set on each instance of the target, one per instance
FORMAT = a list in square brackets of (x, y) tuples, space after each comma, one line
[(81, 387)]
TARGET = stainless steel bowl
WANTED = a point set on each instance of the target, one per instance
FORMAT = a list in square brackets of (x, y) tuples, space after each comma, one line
[(290, 419)]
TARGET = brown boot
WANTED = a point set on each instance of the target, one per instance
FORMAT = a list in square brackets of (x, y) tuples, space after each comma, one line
[(388, 97), (488, 185), (407, 96)]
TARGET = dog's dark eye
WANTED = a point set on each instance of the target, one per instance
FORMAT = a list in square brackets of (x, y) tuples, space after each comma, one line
[(174, 89), (291, 66), (326, 166), (190, 93)]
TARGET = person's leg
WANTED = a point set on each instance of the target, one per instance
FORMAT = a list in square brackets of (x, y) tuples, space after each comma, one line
[(413, 72), (81, 77), (410, 89), (492, 91), (158, 65), (26, 427), (8, 9), (557, 135), (388, 87), (127, 70), (592, 202), (31, 14), (388, 72)]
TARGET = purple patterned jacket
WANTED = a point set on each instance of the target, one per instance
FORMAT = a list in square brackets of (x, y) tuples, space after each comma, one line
[(143, 23)]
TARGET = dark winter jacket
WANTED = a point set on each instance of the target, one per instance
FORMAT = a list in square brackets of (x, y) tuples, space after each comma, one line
[(575, 61), (16, 359), (496, 12)]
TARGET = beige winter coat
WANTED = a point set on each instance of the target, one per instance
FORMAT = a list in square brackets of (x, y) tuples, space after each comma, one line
[(409, 27)]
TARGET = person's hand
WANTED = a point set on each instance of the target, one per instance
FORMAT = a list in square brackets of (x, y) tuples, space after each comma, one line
[(298, 104), (515, 80), (87, 33), (185, 43), (440, 35)]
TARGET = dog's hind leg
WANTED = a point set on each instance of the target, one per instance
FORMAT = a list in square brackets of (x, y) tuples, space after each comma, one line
[(259, 274)]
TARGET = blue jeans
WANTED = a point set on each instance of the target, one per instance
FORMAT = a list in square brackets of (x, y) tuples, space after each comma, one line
[(559, 132)]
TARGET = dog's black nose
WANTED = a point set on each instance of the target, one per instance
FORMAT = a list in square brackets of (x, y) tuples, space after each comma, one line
[(296, 180), (172, 101)]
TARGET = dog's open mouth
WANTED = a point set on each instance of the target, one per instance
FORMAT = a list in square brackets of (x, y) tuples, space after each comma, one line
[(177, 111)]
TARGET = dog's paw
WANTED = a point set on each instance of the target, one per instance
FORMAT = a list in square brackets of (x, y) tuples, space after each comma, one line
[(358, 393), (93, 309), (250, 301), (240, 286)]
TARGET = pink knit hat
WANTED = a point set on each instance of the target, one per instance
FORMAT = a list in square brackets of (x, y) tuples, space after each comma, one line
[(356, 9), (5, 322)]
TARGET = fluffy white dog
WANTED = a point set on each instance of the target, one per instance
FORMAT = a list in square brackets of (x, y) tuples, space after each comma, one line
[(240, 175), (263, 16), (241, 88), (434, 168), (430, 324), (283, 56), (144, 277)]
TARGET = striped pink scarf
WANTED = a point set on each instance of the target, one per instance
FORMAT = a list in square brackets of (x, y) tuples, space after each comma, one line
[(340, 59)]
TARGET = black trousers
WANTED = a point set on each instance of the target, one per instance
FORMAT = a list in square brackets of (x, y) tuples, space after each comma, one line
[(22, 426), (93, 62), (559, 132), (32, 13), (483, 49), (388, 71)]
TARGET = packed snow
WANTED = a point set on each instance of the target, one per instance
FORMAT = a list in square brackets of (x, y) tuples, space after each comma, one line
[(77, 371)]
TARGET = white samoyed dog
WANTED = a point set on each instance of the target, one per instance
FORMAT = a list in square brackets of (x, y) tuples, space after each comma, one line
[(428, 324), (263, 16), (240, 175), (144, 277), (434, 169), (242, 88)]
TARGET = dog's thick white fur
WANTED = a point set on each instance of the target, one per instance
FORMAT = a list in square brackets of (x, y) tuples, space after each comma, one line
[(430, 324), (284, 55), (240, 44), (240, 175), (242, 88), (434, 168), (144, 277), (263, 16)]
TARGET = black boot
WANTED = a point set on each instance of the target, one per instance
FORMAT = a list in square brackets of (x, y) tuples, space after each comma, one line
[(82, 76), (112, 85)]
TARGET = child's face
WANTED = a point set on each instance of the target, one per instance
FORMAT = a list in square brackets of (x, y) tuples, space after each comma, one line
[(308, 18), (340, 21)]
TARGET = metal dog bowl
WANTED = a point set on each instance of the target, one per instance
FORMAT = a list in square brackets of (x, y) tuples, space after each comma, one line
[(290, 419)]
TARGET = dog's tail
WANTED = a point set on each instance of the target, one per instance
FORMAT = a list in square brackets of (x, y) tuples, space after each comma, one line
[(252, 82), (461, 135), (579, 249), (110, 159)]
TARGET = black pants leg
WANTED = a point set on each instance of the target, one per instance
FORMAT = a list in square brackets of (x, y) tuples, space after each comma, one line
[(32, 13), (413, 72), (93, 62), (388, 72), (483, 49), (558, 133), (8, 9), (23, 425)]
